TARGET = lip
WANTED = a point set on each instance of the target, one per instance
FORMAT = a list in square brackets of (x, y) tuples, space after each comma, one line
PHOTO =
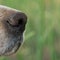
[(14, 49), (11, 47)]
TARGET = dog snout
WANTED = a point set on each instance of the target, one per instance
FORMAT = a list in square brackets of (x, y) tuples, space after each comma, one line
[(17, 19)]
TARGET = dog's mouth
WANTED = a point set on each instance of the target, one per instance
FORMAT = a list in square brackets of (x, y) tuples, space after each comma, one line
[(12, 49), (11, 46)]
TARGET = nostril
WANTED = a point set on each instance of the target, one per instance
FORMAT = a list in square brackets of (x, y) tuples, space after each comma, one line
[(17, 19), (20, 21)]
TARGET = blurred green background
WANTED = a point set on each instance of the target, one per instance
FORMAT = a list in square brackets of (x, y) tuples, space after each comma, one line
[(42, 35)]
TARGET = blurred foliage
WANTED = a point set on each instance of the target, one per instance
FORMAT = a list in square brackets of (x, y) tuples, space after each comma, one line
[(42, 35)]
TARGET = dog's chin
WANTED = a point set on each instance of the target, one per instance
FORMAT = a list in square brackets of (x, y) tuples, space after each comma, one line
[(12, 51), (11, 46)]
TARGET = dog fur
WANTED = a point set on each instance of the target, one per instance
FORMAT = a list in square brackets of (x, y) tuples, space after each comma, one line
[(11, 37)]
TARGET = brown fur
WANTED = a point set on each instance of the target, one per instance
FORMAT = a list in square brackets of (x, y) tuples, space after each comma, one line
[(11, 36)]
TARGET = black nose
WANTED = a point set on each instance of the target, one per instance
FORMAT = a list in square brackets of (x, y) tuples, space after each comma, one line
[(17, 19)]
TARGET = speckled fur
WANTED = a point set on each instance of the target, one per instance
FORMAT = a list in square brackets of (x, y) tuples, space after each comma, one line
[(10, 40)]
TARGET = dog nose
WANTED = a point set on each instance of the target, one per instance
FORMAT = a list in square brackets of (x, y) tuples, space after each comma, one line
[(17, 19)]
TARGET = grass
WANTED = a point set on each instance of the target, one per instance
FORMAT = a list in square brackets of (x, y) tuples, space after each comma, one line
[(42, 36)]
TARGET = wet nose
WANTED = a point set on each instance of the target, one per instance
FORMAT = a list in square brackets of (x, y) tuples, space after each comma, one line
[(17, 19)]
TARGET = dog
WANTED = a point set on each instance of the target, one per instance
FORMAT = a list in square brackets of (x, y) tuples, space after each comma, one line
[(12, 26)]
